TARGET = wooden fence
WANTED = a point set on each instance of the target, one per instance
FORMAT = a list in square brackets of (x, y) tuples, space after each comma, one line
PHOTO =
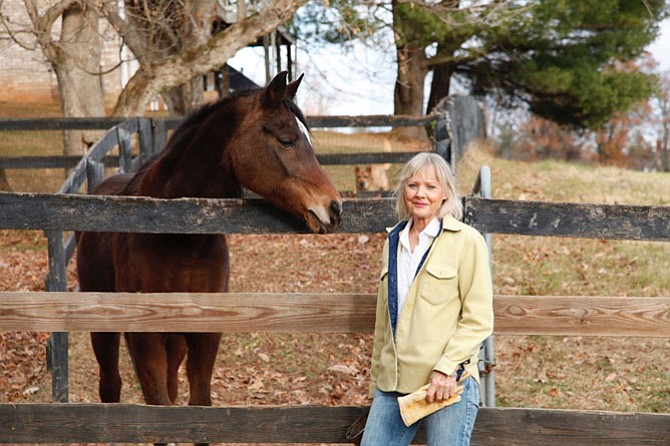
[(159, 128), (60, 311)]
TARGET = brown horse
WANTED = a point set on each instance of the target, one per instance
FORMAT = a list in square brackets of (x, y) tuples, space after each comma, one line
[(256, 139)]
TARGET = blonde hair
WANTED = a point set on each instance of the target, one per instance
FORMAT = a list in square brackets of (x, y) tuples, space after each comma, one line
[(452, 205)]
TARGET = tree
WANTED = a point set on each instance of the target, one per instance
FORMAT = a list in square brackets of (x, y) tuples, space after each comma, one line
[(156, 29), (160, 70), (171, 40), (540, 138), (558, 57), (663, 138), (623, 140), (73, 53)]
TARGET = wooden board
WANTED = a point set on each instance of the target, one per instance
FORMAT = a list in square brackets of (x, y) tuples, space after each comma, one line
[(254, 216), (128, 423), (583, 316), (53, 162), (584, 220), (316, 313), (198, 216)]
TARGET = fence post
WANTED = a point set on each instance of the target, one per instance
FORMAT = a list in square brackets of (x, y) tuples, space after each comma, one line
[(95, 173), (442, 143), (125, 150), (487, 354), (159, 135), (463, 122), (57, 355), (146, 139)]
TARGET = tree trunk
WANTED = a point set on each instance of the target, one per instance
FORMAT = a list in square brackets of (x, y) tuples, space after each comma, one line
[(157, 74), (439, 87), (442, 72), (412, 69), (197, 31), (184, 98), (76, 62), (409, 85)]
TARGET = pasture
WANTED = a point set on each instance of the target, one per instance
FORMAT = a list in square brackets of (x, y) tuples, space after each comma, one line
[(579, 373)]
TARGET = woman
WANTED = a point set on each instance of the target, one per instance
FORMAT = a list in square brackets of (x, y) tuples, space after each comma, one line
[(434, 310)]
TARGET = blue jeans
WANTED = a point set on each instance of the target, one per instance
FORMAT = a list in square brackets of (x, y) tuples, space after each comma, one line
[(450, 426)]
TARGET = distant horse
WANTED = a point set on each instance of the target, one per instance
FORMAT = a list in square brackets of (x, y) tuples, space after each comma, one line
[(256, 139)]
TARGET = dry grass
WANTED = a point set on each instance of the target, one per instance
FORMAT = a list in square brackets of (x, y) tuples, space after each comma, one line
[(340, 142), (532, 371), (578, 372)]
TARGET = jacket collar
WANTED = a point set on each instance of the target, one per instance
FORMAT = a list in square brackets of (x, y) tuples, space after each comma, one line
[(449, 223)]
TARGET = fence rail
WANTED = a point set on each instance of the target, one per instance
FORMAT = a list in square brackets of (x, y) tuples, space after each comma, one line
[(246, 216), (315, 313), (67, 162), (129, 423), (161, 125)]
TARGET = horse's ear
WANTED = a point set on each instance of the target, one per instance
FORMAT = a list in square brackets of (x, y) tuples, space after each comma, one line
[(292, 88), (276, 91)]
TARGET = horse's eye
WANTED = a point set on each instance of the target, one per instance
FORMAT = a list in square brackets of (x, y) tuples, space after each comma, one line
[(288, 143)]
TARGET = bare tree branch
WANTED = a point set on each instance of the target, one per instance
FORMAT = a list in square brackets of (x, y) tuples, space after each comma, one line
[(171, 71)]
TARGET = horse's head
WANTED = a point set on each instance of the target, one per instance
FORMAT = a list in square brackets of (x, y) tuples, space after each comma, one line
[(273, 156)]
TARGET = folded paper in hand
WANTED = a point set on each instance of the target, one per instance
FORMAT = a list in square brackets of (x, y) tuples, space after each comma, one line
[(414, 406)]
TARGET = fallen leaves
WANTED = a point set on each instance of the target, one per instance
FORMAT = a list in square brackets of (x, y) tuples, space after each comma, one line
[(306, 369)]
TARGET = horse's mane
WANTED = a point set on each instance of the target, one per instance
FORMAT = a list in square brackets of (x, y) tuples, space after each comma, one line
[(185, 132), (200, 114), (296, 111)]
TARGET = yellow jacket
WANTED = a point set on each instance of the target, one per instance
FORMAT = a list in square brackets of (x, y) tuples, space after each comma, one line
[(447, 315)]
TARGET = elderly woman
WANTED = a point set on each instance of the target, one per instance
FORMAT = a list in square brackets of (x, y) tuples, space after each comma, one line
[(434, 310)]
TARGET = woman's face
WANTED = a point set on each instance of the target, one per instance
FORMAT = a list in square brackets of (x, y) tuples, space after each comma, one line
[(424, 195)]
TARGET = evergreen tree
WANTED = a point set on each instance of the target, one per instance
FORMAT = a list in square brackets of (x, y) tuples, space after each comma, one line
[(561, 58)]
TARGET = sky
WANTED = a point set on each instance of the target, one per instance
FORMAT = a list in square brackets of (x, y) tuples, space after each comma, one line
[(661, 47), (360, 80)]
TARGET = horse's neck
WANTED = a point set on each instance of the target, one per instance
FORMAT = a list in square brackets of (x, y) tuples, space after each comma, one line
[(193, 171)]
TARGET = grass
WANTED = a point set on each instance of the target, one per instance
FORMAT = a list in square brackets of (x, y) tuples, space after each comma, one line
[(32, 144), (578, 372)]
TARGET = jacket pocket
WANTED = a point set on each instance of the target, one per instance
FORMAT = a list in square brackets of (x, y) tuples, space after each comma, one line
[(439, 284)]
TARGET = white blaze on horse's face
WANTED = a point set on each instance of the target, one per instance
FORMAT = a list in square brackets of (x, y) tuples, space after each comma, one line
[(320, 211), (304, 130)]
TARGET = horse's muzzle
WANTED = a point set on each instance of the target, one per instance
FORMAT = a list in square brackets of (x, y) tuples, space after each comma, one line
[(324, 220), (335, 214)]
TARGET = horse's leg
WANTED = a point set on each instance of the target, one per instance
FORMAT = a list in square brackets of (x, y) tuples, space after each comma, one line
[(106, 349), (149, 354), (202, 350), (176, 351)]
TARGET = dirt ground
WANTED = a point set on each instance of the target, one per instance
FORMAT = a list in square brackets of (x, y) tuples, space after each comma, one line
[(252, 368)]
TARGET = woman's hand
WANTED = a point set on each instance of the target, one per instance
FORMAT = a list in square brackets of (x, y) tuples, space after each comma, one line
[(441, 387)]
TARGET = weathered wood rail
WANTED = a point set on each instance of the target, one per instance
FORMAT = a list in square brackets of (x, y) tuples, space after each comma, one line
[(131, 423), (244, 312), (160, 127), (248, 216), (316, 313)]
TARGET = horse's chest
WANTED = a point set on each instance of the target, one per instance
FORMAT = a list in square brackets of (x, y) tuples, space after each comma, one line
[(178, 266)]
